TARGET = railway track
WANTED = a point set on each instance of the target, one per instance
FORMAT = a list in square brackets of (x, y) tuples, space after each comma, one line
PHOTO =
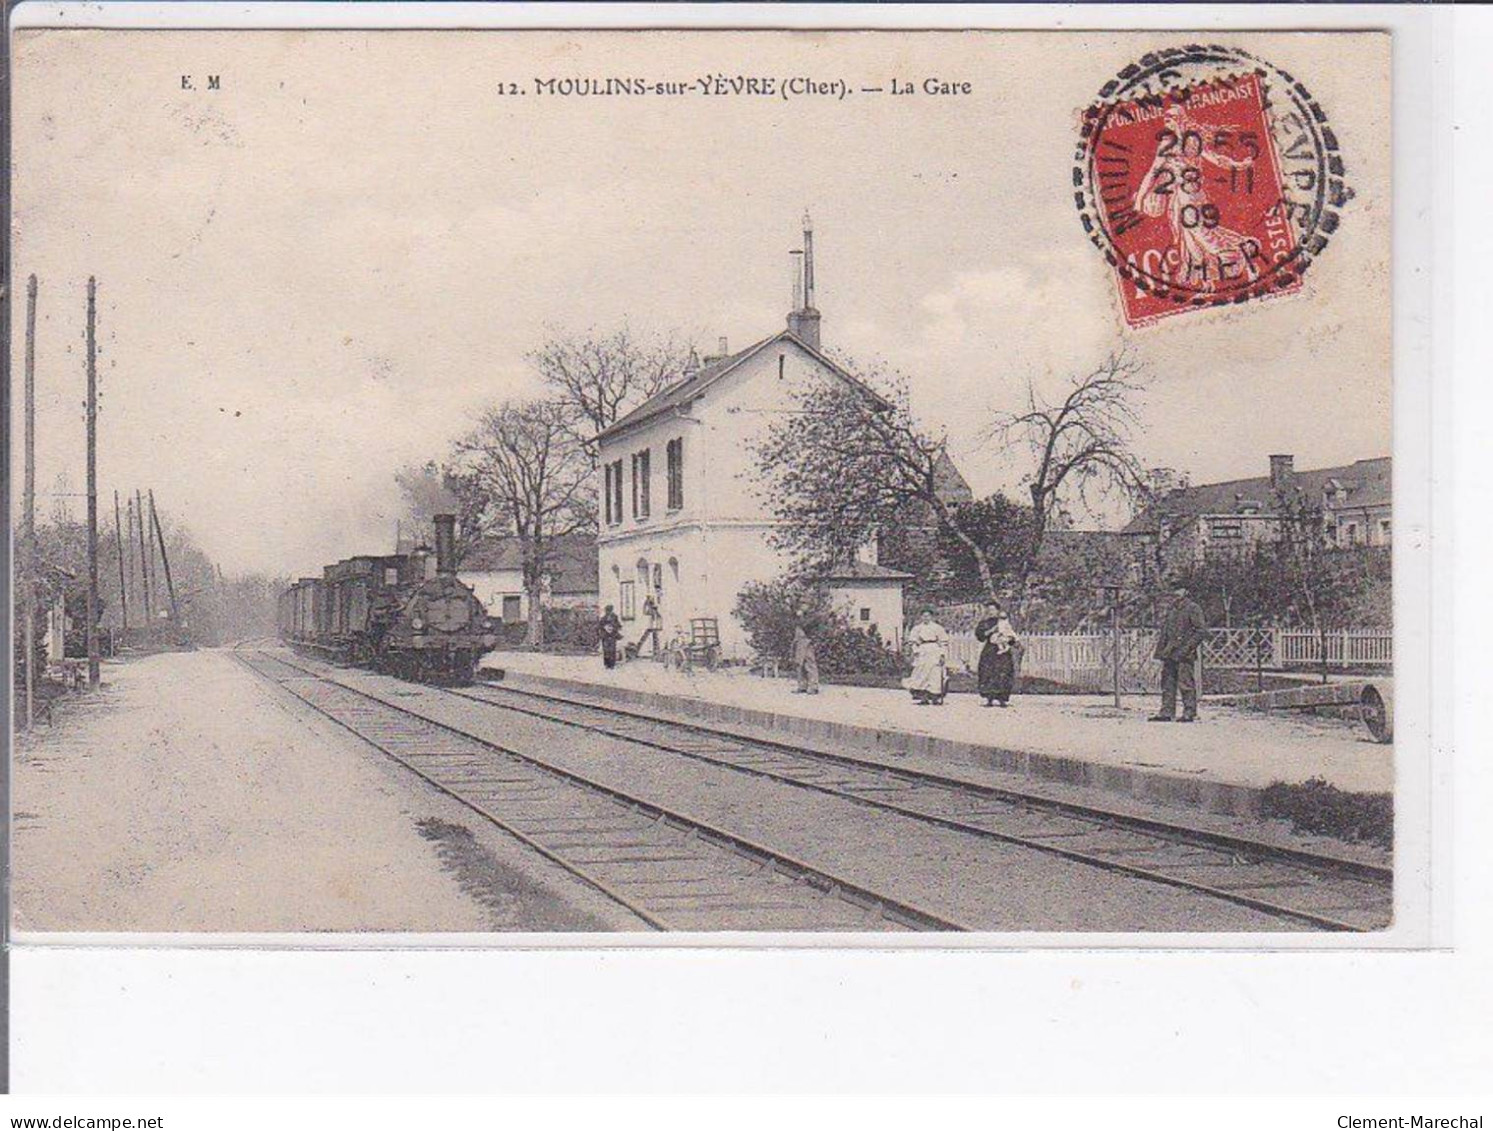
[(672, 871), (1320, 891)]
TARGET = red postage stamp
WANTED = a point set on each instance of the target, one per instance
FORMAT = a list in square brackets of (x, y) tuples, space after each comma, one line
[(1208, 193)]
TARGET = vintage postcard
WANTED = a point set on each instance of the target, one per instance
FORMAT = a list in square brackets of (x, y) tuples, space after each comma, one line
[(852, 486)]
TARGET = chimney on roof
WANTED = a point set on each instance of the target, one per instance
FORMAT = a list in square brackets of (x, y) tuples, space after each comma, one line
[(1282, 471), (445, 543), (803, 319), (1164, 480)]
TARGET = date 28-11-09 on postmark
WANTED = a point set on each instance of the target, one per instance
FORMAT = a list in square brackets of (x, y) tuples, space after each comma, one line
[(1206, 178)]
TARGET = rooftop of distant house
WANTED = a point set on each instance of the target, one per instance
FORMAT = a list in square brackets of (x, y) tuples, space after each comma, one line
[(572, 563), (858, 570), (1364, 483)]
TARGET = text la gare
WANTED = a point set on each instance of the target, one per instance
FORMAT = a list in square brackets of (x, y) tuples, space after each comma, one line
[(932, 86)]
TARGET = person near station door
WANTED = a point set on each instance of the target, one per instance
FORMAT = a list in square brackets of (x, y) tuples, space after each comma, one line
[(997, 674), (1183, 629), (655, 624), (929, 681), (806, 662), (611, 632)]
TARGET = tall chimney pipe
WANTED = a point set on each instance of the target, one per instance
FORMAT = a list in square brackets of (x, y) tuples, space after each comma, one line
[(808, 263), (445, 543)]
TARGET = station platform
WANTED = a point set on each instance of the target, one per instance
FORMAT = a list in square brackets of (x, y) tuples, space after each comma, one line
[(1218, 765)]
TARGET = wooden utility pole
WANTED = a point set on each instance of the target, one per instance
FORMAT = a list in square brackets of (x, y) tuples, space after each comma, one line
[(144, 558), (124, 593), (165, 561), (93, 657), (28, 508), (1112, 595)]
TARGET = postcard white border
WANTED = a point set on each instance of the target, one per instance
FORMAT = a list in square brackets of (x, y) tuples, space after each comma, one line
[(1424, 293)]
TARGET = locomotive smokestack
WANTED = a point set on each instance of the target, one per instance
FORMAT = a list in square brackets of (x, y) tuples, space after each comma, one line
[(445, 543)]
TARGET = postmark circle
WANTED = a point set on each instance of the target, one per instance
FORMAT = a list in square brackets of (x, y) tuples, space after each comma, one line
[(1206, 176)]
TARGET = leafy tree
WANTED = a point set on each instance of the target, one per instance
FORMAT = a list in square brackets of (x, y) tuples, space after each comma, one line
[(848, 461)]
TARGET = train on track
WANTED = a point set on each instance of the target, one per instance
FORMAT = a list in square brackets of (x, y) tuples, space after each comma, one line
[(405, 614)]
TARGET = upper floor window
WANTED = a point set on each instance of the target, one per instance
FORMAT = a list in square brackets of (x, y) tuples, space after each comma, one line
[(675, 460), (613, 492), (640, 482)]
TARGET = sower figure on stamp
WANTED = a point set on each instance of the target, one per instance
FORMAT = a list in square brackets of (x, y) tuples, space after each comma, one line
[(611, 632), (806, 662), (997, 658), (1182, 632)]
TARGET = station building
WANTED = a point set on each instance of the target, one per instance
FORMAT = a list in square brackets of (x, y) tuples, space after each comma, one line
[(681, 521)]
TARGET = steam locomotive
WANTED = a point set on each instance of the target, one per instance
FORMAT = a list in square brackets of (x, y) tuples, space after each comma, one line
[(403, 614)]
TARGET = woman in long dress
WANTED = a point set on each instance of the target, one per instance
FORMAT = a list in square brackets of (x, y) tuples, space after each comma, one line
[(930, 661), (998, 658)]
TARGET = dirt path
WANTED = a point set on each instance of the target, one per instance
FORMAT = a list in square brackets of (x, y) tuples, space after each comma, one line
[(188, 795)]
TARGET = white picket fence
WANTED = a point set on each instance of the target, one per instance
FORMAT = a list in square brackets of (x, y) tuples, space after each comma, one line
[(1085, 659)]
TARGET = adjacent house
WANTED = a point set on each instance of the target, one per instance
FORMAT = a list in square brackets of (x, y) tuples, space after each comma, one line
[(1190, 524), (494, 570), (681, 521)]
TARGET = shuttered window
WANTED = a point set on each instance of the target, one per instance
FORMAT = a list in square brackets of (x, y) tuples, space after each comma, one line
[(675, 460), (641, 468), (614, 492)]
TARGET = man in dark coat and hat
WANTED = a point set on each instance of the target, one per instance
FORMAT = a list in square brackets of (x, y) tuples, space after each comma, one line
[(611, 632), (1183, 629)]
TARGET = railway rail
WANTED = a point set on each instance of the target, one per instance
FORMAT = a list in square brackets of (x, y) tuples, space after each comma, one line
[(1317, 890), (672, 871)]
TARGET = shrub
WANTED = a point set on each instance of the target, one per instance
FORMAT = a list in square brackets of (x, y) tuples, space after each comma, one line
[(770, 611), (1318, 806), (571, 630)]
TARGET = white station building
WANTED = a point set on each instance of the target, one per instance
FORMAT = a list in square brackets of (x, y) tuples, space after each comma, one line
[(680, 518)]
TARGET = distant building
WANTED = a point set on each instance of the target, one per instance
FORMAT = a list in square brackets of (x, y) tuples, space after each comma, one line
[(681, 521), (1192, 524), (494, 570)]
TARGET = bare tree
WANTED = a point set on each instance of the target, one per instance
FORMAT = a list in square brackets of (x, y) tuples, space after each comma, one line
[(537, 481), (603, 376), (847, 461), (1080, 444)]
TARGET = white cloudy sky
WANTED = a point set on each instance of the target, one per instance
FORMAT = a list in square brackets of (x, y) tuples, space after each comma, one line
[(318, 273)]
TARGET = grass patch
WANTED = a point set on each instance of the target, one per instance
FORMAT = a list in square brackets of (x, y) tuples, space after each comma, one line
[(1316, 806)]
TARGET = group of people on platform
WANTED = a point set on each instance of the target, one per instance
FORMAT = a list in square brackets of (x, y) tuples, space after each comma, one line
[(1181, 634), (996, 677)]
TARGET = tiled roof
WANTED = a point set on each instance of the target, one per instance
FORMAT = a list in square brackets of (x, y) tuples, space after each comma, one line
[(572, 561), (1368, 483)]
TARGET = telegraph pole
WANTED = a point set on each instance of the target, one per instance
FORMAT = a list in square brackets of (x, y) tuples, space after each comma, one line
[(93, 657), (124, 604), (1111, 592), (144, 572), (28, 508), (165, 561)]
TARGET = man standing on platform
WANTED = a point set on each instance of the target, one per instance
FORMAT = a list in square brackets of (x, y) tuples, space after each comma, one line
[(1183, 630), (611, 632), (806, 662)]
